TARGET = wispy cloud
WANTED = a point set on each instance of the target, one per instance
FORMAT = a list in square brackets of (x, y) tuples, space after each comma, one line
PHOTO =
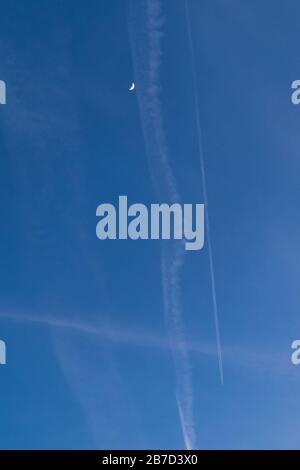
[(119, 335), (147, 61), (204, 188), (276, 362)]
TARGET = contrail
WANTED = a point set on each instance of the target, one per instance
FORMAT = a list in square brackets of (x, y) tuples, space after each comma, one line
[(147, 56), (204, 186), (171, 268), (119, 335), (273, 362)]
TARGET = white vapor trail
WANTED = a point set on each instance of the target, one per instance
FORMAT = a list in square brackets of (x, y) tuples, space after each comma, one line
[(270, 361), (147, 55), (120, 335), (204, 186)]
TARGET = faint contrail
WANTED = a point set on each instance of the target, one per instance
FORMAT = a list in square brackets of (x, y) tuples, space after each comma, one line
[(119, 335), (203, 177), (147, 55), (273, 362)]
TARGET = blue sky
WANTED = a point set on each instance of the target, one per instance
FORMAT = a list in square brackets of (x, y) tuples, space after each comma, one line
[(96, 357)]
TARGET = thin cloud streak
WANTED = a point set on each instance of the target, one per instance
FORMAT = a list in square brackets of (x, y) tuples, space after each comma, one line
[(204, 186), (149, 89), (118, 335), (274, 362)]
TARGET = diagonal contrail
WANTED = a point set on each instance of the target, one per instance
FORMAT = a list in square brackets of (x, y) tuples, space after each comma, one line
[(204, 186)]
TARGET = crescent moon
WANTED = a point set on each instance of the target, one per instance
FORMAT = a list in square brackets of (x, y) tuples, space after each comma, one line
[(132, 86)]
